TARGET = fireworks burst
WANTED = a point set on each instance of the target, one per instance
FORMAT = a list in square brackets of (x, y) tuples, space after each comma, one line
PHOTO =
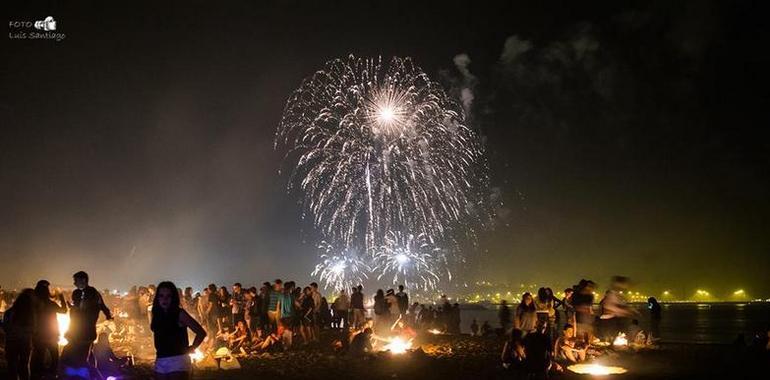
[(340, 269), (410, 260), (376, 148)]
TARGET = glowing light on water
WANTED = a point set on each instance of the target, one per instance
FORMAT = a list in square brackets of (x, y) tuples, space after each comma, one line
[(596, 369), (397, 345), (63, 321)]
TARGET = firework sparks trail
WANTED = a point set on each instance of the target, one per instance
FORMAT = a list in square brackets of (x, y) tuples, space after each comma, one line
[(340, 269), (410, 260), (376, 148)]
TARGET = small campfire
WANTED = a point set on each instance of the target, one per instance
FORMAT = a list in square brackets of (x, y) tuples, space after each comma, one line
[(397, 345), (63, 320), (197, 356), (596, 369)]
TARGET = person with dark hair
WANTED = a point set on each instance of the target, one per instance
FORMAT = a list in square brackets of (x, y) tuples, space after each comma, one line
[(19, 325), (46, 338), (525, 316), (567, 347), (212, 311), (251, 309), (169, 326), (306, 314), (188, 301), (84, 312), (273, 312), (569, 309), (317, 319), (403, 301), (514, 356), (583, 300), (223, 310), (357, 306), (361, 344), (381, 311), (236, 304), (286, 315), (537, 347), (504, 315)]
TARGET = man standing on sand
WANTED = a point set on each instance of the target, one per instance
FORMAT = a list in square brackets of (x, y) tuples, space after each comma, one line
[(84, 312), (403, 301), (357, 305)]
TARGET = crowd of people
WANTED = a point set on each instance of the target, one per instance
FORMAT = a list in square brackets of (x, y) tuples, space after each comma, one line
[(281, 316), (276, 316)]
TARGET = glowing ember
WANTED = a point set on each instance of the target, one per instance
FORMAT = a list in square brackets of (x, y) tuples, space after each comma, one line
[(197, 356), (596, 369), (434, 331), (620, 340), (397, 345), (63, 320)]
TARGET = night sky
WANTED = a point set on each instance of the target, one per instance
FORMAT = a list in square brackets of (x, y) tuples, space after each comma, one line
[(622, 137)]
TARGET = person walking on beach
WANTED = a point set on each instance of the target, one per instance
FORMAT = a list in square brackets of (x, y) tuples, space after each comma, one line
[(583, 300), (504, 315), (46, 331), (169, 327), (84, 312), (19, 327)]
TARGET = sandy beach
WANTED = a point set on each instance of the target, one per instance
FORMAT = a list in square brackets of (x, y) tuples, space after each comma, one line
[(466, 357)]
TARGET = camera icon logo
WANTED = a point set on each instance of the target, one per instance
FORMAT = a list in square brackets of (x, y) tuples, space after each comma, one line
[(48, 24)]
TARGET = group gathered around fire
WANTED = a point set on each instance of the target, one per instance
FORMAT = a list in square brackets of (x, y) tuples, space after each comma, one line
[(281, 316)]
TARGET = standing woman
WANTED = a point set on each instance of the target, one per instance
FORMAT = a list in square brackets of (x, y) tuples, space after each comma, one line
[(19, 326), (169, 326), (525, 316)]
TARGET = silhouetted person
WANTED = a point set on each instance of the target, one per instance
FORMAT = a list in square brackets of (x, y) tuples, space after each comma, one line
[(537, 346), (19, 326), (403, 300), (357, 306), (362, 343), (84, 312), (655, 315), (46, 340), (504, 315), (474, 328), (169, 326)]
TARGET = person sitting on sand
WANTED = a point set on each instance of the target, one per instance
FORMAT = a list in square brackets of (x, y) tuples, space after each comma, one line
[(403, 330), (362, 343), (239, 338), (568, 347), (264, 341), (514, 355)]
